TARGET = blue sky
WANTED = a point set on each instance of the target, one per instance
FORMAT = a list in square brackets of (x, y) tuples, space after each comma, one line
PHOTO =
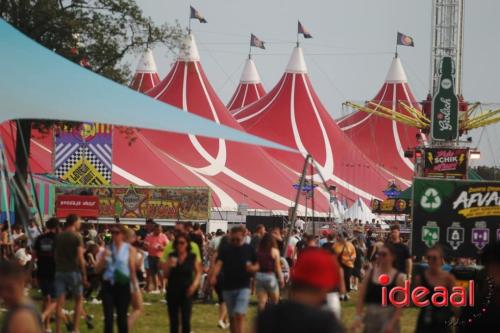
[(350, 53)]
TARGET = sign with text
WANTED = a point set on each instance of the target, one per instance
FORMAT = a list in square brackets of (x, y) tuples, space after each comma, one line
[(444, 125), (176, 203), (391, 206), (447, 163), (81, 205), (462, 216)]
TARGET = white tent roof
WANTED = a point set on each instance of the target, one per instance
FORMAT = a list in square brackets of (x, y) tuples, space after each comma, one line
[(359, 210)]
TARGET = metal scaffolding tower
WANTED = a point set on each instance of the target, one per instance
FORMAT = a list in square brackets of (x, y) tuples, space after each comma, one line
[(447, 39)]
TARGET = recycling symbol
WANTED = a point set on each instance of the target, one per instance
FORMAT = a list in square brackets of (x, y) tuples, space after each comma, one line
[(431, 201), (430, 235)]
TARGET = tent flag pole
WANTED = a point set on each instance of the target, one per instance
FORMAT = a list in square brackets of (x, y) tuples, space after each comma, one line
[(3, 182)]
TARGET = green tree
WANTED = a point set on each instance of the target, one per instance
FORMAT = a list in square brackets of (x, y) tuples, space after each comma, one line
[(97, 34)]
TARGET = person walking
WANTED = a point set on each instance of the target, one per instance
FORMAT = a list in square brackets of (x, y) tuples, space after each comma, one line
[(119, 279), (269, 278), (434, 319), (378, 318), (183, 271), (315, 273), (155, 242), (403, 263), (44, 254), (346, 254), (21, 315), (136, 293), (238, 262), (71, 274)]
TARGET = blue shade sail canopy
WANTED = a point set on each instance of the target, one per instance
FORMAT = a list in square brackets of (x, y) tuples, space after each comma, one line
[(36, 83)]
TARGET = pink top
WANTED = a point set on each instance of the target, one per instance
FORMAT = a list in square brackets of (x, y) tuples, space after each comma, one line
[(156, 244)]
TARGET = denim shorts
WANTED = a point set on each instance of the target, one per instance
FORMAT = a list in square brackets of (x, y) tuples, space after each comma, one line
[(266, 282), (237, 300), (69, 283)]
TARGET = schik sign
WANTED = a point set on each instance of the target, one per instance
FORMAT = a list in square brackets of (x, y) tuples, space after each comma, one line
[(445, 105)]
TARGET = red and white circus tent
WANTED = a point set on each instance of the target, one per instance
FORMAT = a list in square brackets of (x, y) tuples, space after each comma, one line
[(250, 88), (292, 114), (146, 74), (237, 173), (41, 146), (385, 140)]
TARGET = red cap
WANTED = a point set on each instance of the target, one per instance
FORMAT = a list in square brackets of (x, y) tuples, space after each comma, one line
[(316, 268)]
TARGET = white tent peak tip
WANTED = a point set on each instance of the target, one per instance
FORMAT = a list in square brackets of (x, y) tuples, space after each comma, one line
[(396, 73), (189, 49), (250, 73), (297, 63), (147, 63)]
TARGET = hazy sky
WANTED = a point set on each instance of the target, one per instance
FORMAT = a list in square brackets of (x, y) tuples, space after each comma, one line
[(350, 53)]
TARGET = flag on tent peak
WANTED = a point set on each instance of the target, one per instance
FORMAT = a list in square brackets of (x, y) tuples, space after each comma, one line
[(197, 15), (405, 40), (256, 42), (302, 30)]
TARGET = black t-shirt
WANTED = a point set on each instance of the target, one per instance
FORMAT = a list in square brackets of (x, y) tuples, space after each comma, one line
[(45, 252), (293, 317), (182, 275), (234, 259), (198, 239), (402, 253)]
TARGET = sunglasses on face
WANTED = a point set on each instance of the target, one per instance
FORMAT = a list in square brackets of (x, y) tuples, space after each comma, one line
[(181, 243), (432, 258), (236, 240), (115, 232)]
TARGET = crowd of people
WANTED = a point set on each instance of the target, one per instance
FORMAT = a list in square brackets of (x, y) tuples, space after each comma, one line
[(299, 280)]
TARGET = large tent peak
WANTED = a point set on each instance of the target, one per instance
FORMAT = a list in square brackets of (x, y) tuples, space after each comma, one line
[(297, 64), (147, 63), (250, 74), (396, 72), (189, 50)]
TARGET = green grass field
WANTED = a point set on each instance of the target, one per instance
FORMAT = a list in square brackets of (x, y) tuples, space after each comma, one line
[(154, 318)]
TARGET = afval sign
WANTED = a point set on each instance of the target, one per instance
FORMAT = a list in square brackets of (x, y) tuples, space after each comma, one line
[(444, 126)]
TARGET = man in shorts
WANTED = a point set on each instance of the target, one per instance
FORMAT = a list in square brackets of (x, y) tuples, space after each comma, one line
[(44, 252), (155, 243), (238, 262), (71, 275)]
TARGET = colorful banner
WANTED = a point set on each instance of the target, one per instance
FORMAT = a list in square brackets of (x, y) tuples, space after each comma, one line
[(445, 163), (391, 206), (444, 125), (175, 203), (463, 216), (82, 205), (83, 155)]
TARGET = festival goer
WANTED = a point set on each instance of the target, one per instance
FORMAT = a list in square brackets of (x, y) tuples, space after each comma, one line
[(378, 318), (434, 319), (119, 279), (487, 298), (237, 261), (21, 315), (357, 272), (223, 321), (183, 271), (346, 254), (403, 258), (44, 253), (155, 242), (269, 279), (260, 231), (314, 274), (136, 294), (71, 274), (5, 243)]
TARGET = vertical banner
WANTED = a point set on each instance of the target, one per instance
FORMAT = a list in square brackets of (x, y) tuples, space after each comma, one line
[(83, 155), (444, 125), (462, 216)]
